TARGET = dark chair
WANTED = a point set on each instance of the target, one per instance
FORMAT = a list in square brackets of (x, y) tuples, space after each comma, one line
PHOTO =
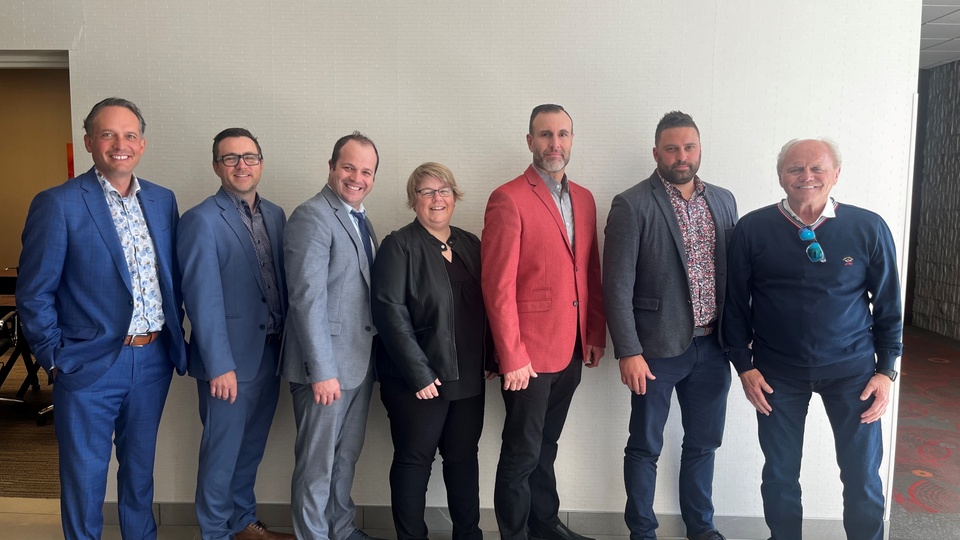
[(12, 340)]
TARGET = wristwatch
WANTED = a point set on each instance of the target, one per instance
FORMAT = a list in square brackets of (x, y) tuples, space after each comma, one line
[(892, 373)]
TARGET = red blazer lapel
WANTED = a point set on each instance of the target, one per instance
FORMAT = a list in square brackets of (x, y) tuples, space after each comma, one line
[(541, 190)]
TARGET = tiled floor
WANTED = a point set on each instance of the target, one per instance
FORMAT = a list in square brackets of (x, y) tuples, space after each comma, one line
[(39, 519)]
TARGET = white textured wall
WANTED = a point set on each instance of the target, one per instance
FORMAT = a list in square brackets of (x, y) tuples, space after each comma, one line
[(454, 82)]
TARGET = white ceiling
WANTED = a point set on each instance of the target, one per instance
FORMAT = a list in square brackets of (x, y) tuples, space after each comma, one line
[(939, 32)]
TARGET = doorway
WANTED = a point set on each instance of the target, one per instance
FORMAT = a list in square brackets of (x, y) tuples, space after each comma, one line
[(36, 143)]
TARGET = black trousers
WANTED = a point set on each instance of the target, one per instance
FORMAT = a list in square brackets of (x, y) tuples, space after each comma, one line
[(525, 493), (419, 427)]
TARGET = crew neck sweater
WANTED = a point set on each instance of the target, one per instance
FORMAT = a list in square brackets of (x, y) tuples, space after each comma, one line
[(812, 320)]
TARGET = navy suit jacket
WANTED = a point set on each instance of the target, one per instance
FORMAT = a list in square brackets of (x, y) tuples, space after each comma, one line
[(646, 291), (223, 290), (73, 291)]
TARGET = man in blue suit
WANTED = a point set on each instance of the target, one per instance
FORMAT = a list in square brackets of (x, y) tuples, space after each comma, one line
[(99, 297), (230, 253)]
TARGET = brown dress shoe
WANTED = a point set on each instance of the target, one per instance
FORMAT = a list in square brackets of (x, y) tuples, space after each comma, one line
[(259, 531)]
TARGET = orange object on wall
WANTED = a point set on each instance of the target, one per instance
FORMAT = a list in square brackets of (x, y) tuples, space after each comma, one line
[(70, 160)]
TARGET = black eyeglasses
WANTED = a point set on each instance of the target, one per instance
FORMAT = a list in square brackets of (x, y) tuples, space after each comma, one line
[(231, 160), (427, 193), (814, 251)]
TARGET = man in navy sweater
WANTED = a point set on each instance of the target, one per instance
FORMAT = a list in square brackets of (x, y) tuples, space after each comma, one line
[(813, 285)]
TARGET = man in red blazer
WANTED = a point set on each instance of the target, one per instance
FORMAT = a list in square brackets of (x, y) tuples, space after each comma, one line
[(541, 285)]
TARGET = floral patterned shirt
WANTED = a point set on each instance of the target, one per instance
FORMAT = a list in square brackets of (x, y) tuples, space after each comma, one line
[(140, 255), (699, 242)]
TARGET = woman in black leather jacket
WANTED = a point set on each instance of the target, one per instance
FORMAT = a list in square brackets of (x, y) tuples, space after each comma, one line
[(429, 314)]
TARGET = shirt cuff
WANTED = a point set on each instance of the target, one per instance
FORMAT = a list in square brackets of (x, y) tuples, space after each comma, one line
[(741, 358), (886, 360)]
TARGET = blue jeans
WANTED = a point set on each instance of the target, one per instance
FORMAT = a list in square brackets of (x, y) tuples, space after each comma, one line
[(701, 377), (859, 451)]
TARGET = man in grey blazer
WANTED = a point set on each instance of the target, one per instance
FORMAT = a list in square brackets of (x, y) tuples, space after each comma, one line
[(328, 249), (664, 277), (231, 259)]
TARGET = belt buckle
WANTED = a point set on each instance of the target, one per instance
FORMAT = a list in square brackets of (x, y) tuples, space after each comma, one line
[(133, 338)]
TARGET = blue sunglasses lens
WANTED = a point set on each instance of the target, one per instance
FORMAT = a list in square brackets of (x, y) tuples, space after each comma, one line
[(814, 251)]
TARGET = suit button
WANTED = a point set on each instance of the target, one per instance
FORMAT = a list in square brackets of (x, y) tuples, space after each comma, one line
[(263, 327), (367, 328), (575, 303), (131, 302)]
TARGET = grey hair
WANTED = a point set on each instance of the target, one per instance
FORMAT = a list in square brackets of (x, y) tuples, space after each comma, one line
[(832, 147)]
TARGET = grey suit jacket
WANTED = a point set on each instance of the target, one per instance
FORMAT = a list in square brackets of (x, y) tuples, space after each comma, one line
[(329, 331), (645, 288)]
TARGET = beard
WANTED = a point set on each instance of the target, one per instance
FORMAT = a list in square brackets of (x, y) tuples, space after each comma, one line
[(678, 177), (551, 165)]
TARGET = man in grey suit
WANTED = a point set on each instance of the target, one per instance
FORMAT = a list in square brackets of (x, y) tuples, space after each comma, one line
[(231, 259), (328, 248), (664, 276)]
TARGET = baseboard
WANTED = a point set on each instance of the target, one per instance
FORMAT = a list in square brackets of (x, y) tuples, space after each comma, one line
[(438, 519)]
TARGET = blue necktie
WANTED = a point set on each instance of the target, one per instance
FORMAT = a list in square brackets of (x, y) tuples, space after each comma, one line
[(364, 234)]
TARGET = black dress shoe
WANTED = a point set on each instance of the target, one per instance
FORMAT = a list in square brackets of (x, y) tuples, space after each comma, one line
[(560, 532), (712, 534), (360, 534)]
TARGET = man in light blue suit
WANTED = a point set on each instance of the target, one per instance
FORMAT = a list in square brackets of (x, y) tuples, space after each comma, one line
[(231, 258), (99, 297), (329, 246)]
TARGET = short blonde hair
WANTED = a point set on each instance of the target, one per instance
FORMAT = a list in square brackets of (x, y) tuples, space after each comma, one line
[(430, 169)]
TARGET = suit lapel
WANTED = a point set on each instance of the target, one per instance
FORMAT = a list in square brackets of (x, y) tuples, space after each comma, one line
[(229, 213), (156, 219), (720, 249), (670, 215), (96, 203), (542, 192), (343, 216)]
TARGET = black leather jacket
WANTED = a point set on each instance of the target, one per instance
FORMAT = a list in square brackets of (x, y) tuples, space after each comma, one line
[(413, 305)]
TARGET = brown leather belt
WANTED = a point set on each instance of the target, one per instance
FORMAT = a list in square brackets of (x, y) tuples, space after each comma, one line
[(139, 340), (700, 331)]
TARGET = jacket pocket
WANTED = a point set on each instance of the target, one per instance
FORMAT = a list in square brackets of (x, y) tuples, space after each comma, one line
[(534, 300), (647, 304), (77, 333)]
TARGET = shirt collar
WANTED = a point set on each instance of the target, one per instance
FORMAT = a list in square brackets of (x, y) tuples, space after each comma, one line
[(108, 187), (349, 208), (829, 210), (240, 203), (698, 185), (549, 180), (346, 206)]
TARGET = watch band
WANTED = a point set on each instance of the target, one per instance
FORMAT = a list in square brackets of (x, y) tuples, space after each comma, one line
[(892, 373)]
